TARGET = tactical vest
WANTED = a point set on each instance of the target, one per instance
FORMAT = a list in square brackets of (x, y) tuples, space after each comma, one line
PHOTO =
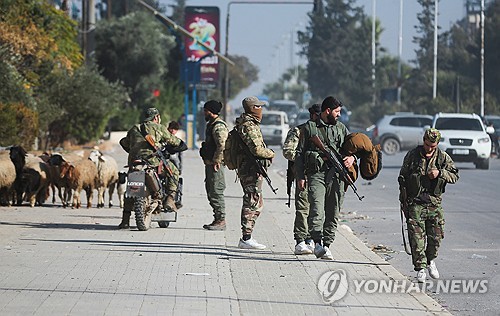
[(313, 161), (208, 147), (419, 182)]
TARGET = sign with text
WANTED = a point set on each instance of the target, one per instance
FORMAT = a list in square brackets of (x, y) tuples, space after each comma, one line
[(204, 24)]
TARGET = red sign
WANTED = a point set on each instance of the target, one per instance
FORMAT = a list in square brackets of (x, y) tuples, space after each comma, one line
[(204, 24)]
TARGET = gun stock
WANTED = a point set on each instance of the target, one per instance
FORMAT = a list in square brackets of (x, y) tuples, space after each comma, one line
[(332, 156), (151, 142)]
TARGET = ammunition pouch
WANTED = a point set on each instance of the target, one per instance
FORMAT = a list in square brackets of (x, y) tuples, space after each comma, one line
[(313, 162)]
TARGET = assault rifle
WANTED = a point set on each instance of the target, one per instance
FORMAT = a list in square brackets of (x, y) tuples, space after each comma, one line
[(160, 154), (290, 177), (403, 198), (333, 158), (258, 164)]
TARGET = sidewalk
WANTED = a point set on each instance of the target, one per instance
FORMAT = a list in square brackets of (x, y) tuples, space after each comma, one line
[(57, 261)]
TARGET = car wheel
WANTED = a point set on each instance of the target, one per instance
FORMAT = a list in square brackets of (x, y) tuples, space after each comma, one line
[(483, 164), (391, 146)]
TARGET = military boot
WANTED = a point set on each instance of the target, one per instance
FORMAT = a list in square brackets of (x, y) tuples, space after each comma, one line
[(207, 225), (125, 224), (170, 203), (217, 225)]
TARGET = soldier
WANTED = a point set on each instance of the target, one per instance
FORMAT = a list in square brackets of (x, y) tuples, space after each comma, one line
[(325, 188), (425, 172), (136, 146), (211, 152), (248, 128), (175, 164), (304, 244)]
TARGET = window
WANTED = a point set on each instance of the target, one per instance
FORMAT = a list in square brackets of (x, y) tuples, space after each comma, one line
[(455, 123)]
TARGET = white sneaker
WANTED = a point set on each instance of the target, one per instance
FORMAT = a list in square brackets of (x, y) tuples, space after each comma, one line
[(433, 270), (421, 276), (310, 245), (319, 251), (328, 254), (302, 249), (250, 244)]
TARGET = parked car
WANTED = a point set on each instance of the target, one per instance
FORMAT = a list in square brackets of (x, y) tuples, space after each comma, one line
[(464, 137), (290, 107), (274, 127), (403, 130)]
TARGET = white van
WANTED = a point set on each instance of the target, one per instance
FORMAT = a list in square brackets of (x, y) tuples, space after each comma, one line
[(274, 127)]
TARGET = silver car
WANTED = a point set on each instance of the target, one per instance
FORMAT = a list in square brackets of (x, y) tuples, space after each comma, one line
[(400, 131)]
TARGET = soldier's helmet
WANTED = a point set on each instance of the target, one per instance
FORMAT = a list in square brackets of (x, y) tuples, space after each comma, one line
[(150, 114)]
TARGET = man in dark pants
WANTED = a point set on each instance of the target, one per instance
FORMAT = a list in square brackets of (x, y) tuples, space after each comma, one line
[(211, 152)]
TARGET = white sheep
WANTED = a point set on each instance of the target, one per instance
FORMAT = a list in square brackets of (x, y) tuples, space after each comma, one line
[(107, 175), (7, 178)]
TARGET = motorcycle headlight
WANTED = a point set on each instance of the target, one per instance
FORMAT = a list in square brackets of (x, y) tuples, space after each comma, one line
[(483, 140)]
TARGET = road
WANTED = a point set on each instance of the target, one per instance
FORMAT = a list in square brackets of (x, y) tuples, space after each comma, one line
[(471, 247)]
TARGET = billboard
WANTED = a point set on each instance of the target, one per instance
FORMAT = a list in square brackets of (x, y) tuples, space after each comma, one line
[(204, 24)]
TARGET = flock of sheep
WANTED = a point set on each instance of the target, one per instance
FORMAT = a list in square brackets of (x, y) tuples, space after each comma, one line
[(27, 177)]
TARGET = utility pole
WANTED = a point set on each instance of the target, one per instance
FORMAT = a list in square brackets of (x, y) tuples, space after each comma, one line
[(434, 81), (400, 50), (374, 54), (482, 57)]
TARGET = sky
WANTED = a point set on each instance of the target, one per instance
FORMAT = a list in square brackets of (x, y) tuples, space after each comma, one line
[(266, 33)]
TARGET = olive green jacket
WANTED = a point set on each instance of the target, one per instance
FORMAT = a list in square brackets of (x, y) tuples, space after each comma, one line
[(137, 147)]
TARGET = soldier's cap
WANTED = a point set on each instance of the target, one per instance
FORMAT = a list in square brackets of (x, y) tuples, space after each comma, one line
[(432, 135), (249, 102), (315, 109), (150, 114), (213, 106)]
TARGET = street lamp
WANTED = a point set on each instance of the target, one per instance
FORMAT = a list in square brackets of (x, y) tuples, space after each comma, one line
[(434, 81)]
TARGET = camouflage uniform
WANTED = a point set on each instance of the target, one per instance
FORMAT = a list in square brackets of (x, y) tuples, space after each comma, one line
[(300, 228), (215, 136), (325, 197), (425, 216), (251, 181), (137, 147)]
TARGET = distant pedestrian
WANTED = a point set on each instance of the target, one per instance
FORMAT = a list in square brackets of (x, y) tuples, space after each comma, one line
[(325, 188), (248, 127), (211, 152), (423, 177), (176, 158), (304, 243)]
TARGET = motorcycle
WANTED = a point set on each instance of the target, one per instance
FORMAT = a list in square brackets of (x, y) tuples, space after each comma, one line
[(147, 189)]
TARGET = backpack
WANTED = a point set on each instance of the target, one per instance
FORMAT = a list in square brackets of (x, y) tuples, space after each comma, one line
[(232, 149)]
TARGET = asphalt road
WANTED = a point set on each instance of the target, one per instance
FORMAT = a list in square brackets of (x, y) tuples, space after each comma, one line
[(470, 250)]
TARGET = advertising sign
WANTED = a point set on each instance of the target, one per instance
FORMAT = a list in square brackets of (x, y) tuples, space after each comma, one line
[(204, 24)]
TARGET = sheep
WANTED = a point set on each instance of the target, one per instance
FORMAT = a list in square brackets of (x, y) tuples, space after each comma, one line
[(81, 175), (121, 186), (60, 183), (7, 178), (32, 176), (37, 174), (107, 175)]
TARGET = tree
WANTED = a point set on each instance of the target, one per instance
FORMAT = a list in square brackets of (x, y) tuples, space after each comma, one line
[(291, 85), (133, 50), (86, 102), (337, 43)]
